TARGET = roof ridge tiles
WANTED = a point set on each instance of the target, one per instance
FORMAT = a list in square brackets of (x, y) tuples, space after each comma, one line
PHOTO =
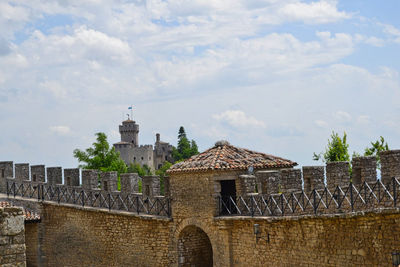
[(224, 156)]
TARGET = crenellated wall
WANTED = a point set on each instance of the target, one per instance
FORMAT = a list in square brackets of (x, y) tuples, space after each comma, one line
[(390, 165), (54, 175), (22, 171), (264, 181), (313, 177), (38, 173), (364, 170), (91, 179)]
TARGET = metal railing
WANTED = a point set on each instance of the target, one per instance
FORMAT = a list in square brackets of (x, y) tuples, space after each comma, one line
[(137, 203), (324, 201)]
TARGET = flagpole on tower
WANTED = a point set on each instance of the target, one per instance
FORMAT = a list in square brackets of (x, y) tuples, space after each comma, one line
[(131, 108), (131, 112)]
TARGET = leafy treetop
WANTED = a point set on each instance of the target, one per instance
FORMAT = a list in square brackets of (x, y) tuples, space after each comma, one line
[(185, 148), (141, 170), (100, 156), (377, 147), (337, 149)]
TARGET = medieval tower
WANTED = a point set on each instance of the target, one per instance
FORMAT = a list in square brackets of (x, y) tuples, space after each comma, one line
[(131, 152)]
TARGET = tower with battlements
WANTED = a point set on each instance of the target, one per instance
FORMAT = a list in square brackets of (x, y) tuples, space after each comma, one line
[(131, 152)]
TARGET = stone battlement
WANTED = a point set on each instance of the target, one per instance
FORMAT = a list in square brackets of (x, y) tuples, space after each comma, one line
[(364, 169), (263, 182), (75, 178)]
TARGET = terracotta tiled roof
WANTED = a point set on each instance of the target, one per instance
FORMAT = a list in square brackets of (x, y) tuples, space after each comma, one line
[(224, 156), (29, 216)]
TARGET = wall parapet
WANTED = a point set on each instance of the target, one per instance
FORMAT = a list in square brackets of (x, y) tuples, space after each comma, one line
[(346, 199), (111, 200)]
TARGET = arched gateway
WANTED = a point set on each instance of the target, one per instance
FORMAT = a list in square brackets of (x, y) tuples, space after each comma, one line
[(194, 248)]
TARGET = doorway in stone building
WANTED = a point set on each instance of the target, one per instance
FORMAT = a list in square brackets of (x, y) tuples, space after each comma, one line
[(194, 248), (228, 197)]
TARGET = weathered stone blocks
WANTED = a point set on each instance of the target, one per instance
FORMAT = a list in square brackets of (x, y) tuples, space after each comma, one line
[(12, 245), (22, 172), (151, 186), (313, 177), (167, 189), (6, 171), (129, 183), (247, 184), (54, 175), (38, 173), (268, 182), (290, 180), (71, 177), (337, 174), (364, 170), (90, 179), (109, 181), (390, 165)]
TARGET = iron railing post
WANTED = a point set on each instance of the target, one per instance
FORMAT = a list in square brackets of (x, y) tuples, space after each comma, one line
[(58, 195), (252, 206), (137, 204), (379, 191), (315, 201), (109, 201), (169, 207), (394, 192), (351, 196), (38, 192), (282, 206), (83, 198)]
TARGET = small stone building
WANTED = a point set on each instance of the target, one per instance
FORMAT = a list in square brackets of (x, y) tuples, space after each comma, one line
[(223, 170)]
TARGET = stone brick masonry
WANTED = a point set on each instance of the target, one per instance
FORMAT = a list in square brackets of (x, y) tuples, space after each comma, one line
[(12, 237)]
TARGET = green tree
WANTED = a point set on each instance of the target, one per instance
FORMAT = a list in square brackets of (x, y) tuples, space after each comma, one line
[(181, 133), (101, 156), (337, 149), (185, 148), (194, 149), (377, 147), (141, 170)]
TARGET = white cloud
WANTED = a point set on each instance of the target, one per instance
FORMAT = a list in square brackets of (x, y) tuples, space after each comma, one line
[(363, 119), (374, 41), (60, 130), (321, 123), (82, 43), (239, 119), (390, 29), (342, 116), (54, 88), (314, 12)]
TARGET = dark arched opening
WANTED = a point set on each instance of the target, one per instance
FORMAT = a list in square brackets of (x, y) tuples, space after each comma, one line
[(194, 248)]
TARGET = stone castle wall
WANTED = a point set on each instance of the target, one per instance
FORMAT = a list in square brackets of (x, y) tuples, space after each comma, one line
[(143, 155), (12, 237), (81, 236), (92, 237), (345, 240)]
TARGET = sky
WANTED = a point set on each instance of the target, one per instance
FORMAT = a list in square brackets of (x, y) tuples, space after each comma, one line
[(274, 76)]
